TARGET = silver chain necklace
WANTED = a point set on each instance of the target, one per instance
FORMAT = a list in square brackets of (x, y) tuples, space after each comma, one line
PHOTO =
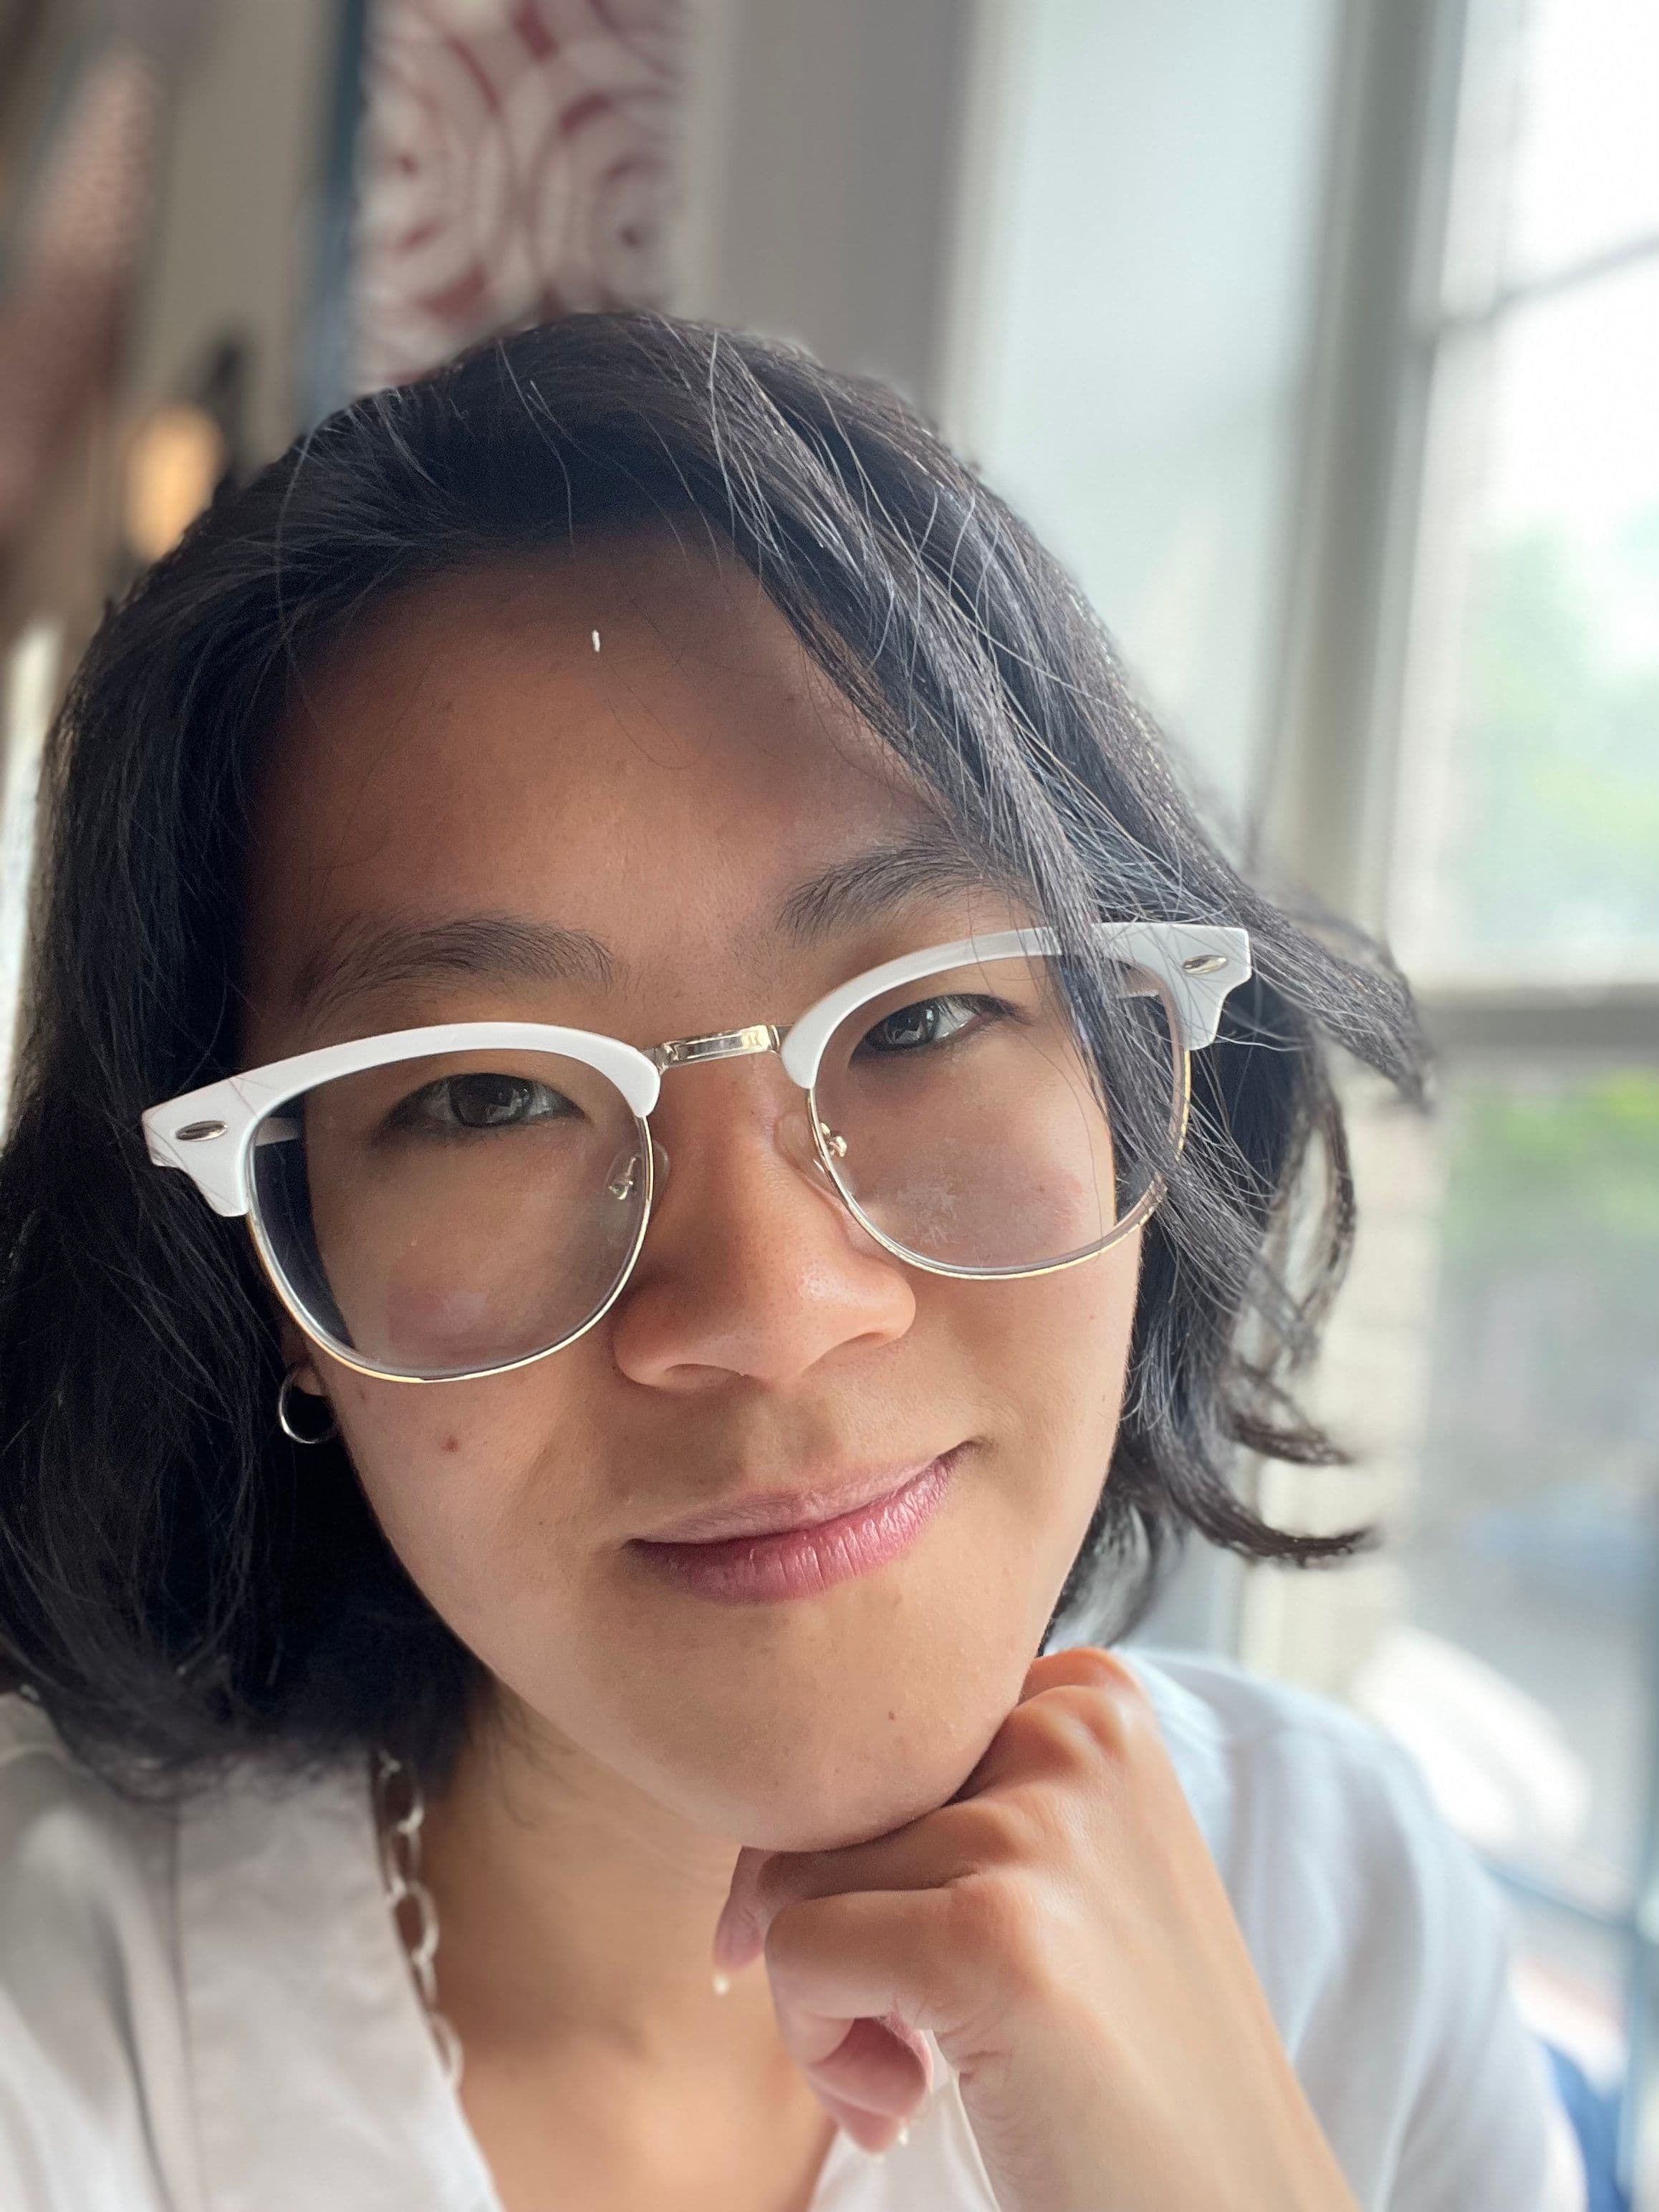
[(414, 1913)]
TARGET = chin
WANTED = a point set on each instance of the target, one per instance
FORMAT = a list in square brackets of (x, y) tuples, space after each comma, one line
[(793, 1820), (816, 1788)]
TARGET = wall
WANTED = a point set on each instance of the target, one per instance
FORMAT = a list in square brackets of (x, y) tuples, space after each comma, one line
[(819, 163), (237, 216)]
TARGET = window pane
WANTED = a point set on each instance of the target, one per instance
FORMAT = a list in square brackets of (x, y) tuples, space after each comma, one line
[(1494, 1363), (1529, 834), (1586, 159), (1571, 1981), (1522, 1671)]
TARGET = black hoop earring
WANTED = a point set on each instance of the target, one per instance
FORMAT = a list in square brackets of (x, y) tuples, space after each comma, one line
[(285, 1397)]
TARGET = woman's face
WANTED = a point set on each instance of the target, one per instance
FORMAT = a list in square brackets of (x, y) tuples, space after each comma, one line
[(468, 753)]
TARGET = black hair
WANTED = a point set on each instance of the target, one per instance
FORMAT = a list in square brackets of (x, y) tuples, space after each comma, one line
[(178, 1582)]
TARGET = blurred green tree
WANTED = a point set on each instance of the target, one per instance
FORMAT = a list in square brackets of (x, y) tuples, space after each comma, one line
[(1552, 861)]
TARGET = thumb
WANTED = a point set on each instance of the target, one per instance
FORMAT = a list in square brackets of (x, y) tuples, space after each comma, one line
[(740, 1931)]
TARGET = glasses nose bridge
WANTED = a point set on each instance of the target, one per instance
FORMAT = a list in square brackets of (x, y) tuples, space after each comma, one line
[(719, 1044), (797, 1132)]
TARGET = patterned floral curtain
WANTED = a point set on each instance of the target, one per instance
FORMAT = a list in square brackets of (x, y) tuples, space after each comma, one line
[(515, 162)]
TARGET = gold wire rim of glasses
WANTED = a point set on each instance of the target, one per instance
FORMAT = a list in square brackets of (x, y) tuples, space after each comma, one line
[(1140, 1212), (1138, 1215), (344, 1357)]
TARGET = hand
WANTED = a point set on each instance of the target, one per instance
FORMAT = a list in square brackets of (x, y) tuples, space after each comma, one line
[(1062, 1930)]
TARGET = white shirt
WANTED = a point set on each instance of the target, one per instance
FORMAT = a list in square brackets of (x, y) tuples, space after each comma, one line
[(209, 2009)]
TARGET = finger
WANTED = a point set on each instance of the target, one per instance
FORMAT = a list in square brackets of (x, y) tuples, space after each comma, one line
[(1083, 1699), (740, 1931), (940, 1847), (860, 2056), (934, 1849), (883, 2065), (871, 2131), (870, 2074), (877, 2067), (896, 1958), (1082, 1665)]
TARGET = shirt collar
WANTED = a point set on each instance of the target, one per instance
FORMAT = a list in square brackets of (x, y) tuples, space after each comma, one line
[(317, 2078)]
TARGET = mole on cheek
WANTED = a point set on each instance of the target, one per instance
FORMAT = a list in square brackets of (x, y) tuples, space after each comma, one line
[(452, 1444)]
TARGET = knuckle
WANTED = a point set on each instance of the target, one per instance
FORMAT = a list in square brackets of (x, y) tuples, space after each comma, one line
[(1074, 1730), (995, 1919), (769, 1891), (1078, 1723), (1100, 1667), (989, 1832), (789, 1938), (1135, 1722)]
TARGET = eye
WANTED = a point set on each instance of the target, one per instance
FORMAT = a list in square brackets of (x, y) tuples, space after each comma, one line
[(480, 1101), (927, 1022)]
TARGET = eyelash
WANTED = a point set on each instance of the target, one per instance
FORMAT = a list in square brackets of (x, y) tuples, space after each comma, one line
[(409, 1115), (985, 1006)]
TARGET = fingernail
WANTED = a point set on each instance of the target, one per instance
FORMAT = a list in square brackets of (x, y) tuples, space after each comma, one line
[(722, 1984), (904, 2134)]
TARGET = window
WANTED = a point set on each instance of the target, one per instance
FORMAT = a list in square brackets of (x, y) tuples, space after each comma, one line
[(1323, 341), (1529, 845), (1325, 345), (1496, 1365)]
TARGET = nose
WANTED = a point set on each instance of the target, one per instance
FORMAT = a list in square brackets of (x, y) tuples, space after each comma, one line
[(752, 1266)]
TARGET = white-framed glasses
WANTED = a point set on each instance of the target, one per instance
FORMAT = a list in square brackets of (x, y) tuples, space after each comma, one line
[(455, 1201)]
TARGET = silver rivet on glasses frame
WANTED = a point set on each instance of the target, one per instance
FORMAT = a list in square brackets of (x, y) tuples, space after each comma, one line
[(835, 1143), (1203, 963), (193, 1132)]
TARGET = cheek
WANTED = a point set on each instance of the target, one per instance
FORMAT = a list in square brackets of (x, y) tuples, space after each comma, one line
[(1054, 1356), (451, 1472)]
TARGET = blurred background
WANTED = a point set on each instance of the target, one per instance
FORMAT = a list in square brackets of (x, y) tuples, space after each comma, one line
[(1321, 337)]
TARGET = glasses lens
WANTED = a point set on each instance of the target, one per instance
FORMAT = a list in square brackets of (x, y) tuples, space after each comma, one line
[(451, 1213), (970, 1123)]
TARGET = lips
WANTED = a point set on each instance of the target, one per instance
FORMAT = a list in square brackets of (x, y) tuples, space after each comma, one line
[(801, 1558), (771, 1512)]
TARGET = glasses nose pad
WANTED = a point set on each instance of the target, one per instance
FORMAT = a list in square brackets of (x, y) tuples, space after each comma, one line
[(834, 1143), (624, 1179), (795, 1142)]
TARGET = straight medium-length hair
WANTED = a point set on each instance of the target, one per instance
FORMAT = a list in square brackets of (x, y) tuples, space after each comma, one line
[(178, 1582)]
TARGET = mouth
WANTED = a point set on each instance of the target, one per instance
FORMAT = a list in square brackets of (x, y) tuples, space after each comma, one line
[(762, 1549)]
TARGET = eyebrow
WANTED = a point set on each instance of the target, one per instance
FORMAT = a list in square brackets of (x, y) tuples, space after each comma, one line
[(364, 957), (871, 885)]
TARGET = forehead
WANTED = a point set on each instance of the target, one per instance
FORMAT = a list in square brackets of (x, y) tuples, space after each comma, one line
[(467, 744)]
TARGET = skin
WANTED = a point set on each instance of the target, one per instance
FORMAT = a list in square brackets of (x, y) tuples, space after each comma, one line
[(643, 1755)]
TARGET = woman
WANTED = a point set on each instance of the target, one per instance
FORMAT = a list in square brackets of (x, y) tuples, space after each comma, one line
[(759, 1131)]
